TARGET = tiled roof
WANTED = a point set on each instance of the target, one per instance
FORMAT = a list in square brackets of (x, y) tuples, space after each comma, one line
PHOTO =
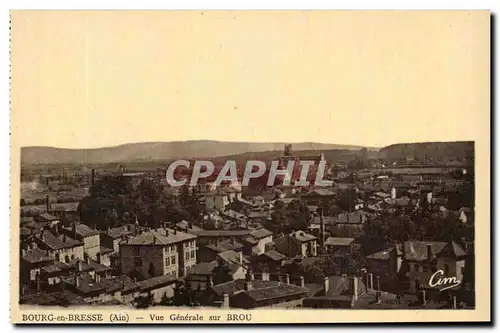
[(234, 286), (104, 250), (37, 255), (64, 207), (232, 257), (417, 250), (87, 284), (337, 241), (48, 217), (156, 282), (159, 237), (354, 218), (116, 233), (220, 233), (261, 233), (274, 255), (83, 230), (381, 255), (203, 268), (281, 290), (57, 242), (55, 268), (302, 236)]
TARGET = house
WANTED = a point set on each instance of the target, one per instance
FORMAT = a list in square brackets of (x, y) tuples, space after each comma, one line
[(338, 292), (207, 253), (158, 252), (113, 236), (53, 275), (386, 264), (268, 294), (216, 237), (257, 242), (270, 261), (157, 287), (49, 219), (63, 247), (65, 210), (32, 260), (422, 259), (90, 238), (339, 245), (249, 293), (95, 290), (205, 275), (351, 222), (298, 243)]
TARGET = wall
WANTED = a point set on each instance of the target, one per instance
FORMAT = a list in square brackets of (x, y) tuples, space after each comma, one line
[(92, 245), (147, 254)]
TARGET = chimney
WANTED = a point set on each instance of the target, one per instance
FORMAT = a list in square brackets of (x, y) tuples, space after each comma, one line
[(287, 278), (241, 258), (166, 232), (225, 303), (322, 231), (302, 282), (429, 252), (326, 283), (88, 259), (370, 281), (423, 296), (109, 229), (74, 229), (355, 288), (77, 282), (97, 278), (248, 285), (79, 265), (252, 276), (23, 252)]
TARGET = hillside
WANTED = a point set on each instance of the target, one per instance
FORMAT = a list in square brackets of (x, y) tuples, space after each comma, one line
[(158, 151), (434, 151)]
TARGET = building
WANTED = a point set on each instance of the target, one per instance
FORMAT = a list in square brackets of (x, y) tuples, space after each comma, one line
[(249, 293), (339, 245), (386, 264), (258, 242), (87, 235), (62, 247), (298, 243), (217, 237), (158, 252), (422, 259), (32, 261)]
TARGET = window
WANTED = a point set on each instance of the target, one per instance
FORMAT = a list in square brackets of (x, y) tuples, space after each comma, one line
[(172, 260), (138, 262), (192, 254), (167, 261), (186, 255), (135, 251)]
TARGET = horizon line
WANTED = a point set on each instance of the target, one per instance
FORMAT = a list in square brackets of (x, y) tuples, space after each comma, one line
[(247, 142)]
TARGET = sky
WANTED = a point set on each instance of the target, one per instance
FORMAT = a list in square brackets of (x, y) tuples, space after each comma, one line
[(96, 79)]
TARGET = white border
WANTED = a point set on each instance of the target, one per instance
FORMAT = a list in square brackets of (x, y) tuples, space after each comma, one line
[(186, 4)]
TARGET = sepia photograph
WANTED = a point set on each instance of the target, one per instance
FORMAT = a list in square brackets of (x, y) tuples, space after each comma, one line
[(200, 166)]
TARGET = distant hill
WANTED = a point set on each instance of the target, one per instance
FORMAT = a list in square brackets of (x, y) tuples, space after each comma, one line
[(436, 151), (159, 151)]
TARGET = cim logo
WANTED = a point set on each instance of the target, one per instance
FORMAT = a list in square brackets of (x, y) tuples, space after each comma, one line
[(439, 280)]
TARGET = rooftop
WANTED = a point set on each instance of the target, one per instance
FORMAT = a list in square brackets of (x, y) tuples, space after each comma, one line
[(159, 236)]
